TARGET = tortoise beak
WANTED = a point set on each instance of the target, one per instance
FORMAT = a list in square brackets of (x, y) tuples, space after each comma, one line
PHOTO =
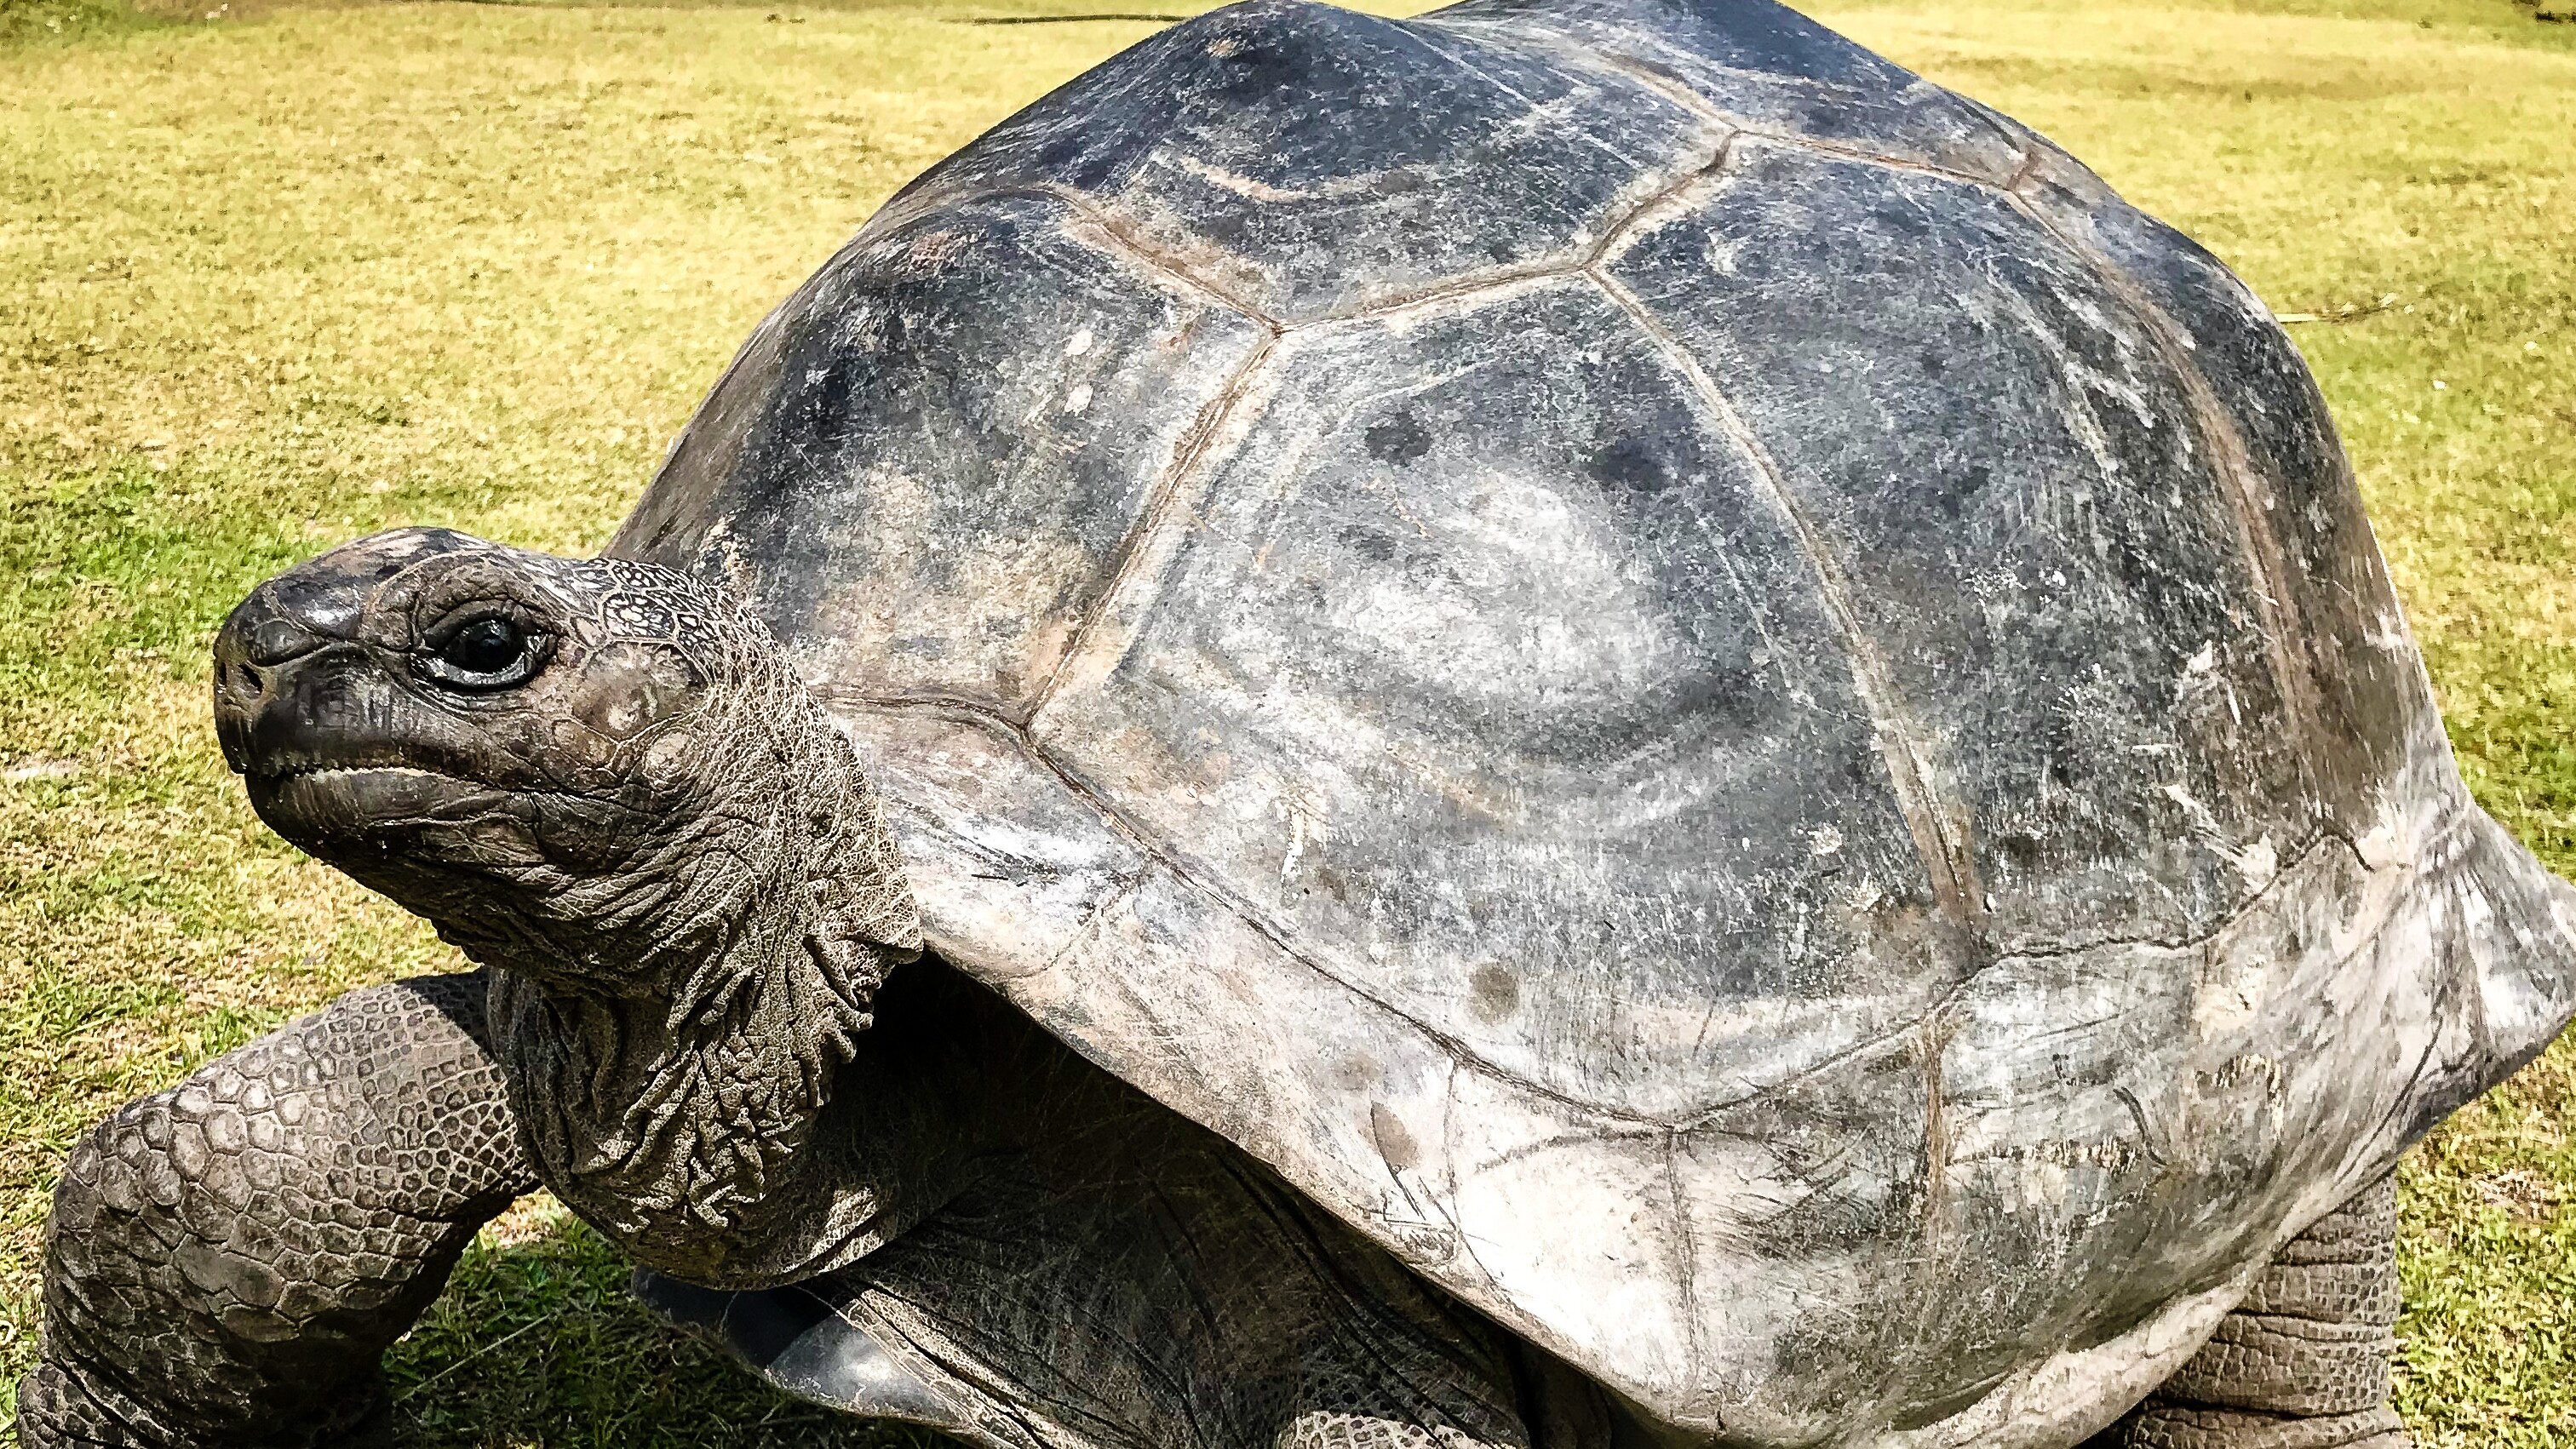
[(317, 731), (332, 747), (276, 683), (323, 707), (293, 687)]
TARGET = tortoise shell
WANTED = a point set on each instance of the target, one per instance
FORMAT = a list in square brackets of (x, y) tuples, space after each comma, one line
[(1690, 678)]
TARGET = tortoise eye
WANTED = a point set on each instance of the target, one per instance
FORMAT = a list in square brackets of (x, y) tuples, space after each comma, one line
[(486, 646), (489, 651)]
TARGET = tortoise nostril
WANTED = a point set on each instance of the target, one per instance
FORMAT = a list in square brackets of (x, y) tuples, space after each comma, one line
[(246, 680)]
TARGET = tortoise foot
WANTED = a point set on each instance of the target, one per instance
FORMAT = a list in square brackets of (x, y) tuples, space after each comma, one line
[(2303, 1362), (2184, 1426), (66, 1407)]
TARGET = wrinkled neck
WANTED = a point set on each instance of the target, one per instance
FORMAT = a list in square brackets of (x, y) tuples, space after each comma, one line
[(951, 1082), (690, 1129), (676, 1034)]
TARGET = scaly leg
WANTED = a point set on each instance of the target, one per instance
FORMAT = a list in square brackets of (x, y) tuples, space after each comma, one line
[(227, 1260), (2303, 1363)]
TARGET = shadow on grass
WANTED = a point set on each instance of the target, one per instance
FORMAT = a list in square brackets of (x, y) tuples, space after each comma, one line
[(538, 1342)]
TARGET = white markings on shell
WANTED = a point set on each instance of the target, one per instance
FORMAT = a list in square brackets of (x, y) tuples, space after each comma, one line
[(1253, 189), (1559, 551), (2258, 862), (1722, 252)]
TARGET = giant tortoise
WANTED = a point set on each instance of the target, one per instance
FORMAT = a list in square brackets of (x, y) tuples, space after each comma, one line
[(1578, 723)]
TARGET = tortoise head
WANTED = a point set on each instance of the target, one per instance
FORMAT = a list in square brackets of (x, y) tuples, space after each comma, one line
[(605, 780)]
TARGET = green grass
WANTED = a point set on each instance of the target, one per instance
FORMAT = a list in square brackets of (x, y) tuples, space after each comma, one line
[(273, 279)]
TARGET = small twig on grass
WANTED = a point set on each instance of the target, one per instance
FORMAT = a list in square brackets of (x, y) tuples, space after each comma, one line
[(469, 1358), (2344, 313)]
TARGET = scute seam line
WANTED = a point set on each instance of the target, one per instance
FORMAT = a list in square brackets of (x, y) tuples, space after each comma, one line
[(1958, 989), (1475, 283), (1137, 245), (1127, 561), (1686, 1262), (2247, 494), (1135, 544), (1136, 839), (1562, 264), (1937, 1029), (1681, 93), (1939, 826), (1143, 249), (2030, 159)]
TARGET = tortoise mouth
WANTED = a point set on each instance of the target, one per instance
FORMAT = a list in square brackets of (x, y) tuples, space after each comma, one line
[(314, 804)]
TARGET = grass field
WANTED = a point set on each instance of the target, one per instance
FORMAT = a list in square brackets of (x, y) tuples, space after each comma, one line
[(273, 278)]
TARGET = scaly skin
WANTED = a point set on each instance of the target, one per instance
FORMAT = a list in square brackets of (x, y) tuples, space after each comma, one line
[(2303, 1362), (228, 1259)]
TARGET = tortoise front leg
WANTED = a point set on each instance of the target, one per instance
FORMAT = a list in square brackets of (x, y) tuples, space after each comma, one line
[(227, 1260), (2303, 1362)]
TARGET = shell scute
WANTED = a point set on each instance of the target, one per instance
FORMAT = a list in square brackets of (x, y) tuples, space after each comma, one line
[(1311, 161), (1516, 684), (2269, 427), (974, 406), (2037, 545)]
